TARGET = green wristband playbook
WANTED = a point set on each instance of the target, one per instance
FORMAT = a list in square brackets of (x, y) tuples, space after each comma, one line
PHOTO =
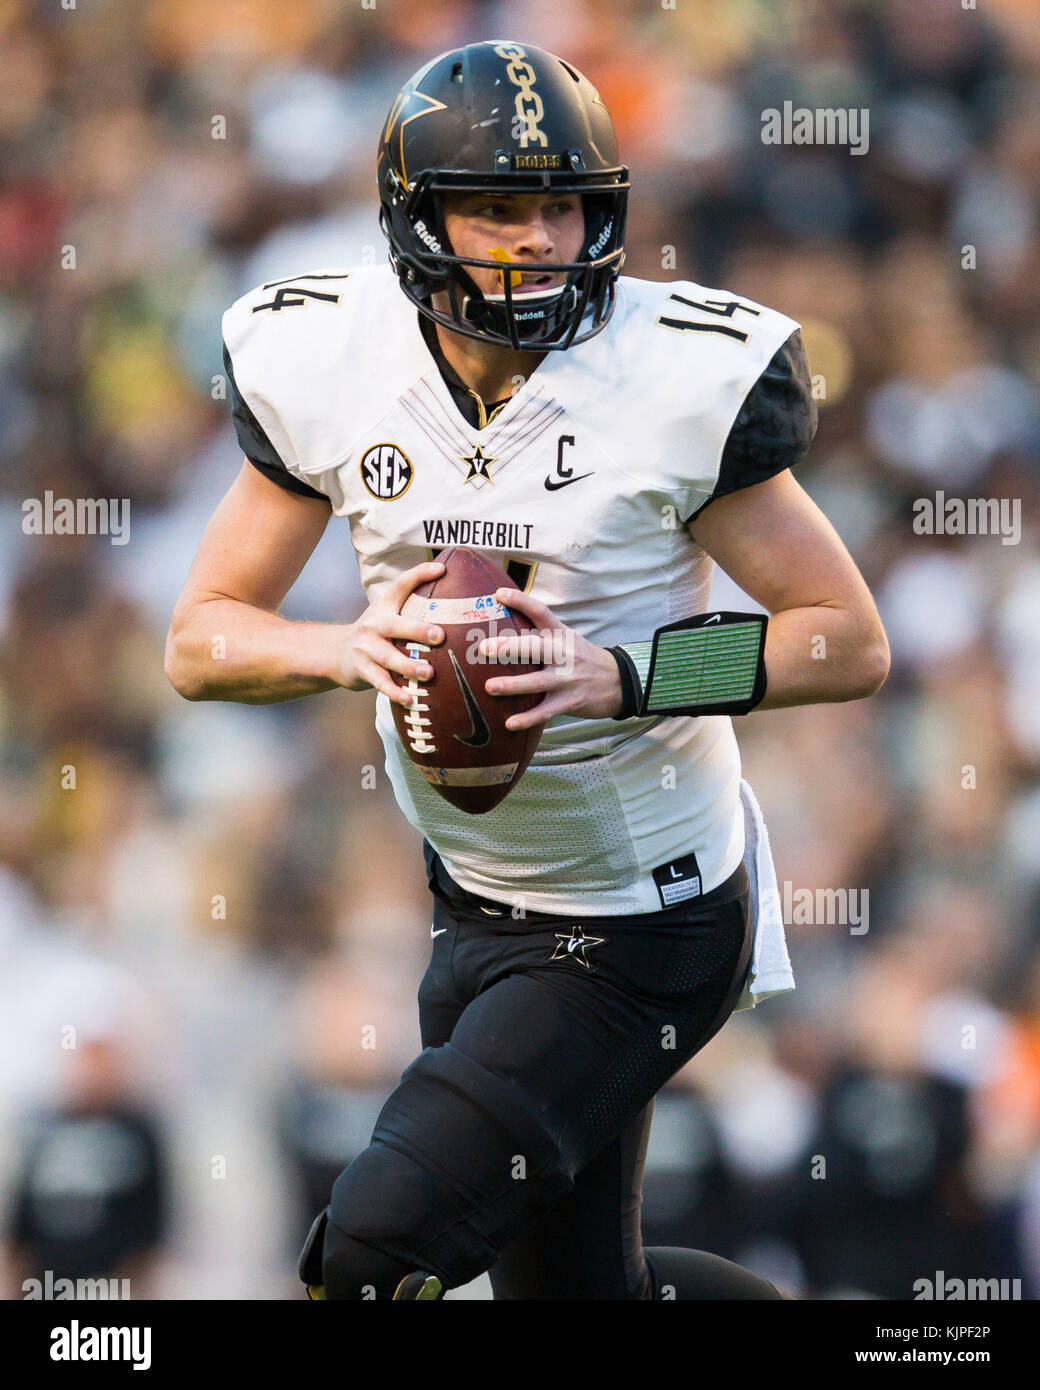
[(712, 663)]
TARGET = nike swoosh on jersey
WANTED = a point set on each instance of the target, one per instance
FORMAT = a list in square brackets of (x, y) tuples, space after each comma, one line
[(479, 735), (439, 932), (565, 482)]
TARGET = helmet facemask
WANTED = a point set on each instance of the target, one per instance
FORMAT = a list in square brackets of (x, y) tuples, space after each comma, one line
[(545, 320)]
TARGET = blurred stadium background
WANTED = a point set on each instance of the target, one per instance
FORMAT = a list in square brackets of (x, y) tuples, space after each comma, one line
[(194, 939)]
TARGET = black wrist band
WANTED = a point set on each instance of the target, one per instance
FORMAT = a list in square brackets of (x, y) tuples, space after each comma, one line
[(631, 689)]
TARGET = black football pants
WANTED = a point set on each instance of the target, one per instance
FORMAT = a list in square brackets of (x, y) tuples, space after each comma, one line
[(515, 1142)]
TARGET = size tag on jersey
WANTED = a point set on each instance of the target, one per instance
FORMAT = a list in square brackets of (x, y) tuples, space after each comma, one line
[(678, 880)]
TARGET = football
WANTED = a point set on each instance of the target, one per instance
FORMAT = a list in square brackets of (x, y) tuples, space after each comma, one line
[(454, 731)]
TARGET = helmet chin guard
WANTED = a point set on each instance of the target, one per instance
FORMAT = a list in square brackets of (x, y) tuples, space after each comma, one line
[(499, 118), (535, 321)]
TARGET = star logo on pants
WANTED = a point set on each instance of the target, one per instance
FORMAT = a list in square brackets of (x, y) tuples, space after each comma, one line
[(574, 944)]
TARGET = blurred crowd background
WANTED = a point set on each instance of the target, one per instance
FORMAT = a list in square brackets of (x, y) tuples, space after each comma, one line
[(212, 929)]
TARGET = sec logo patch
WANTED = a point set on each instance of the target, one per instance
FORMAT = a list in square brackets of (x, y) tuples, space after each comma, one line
[(386, 471)]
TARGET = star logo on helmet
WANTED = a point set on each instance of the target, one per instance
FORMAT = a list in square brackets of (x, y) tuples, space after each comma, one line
[(408, 106), (478, 463)]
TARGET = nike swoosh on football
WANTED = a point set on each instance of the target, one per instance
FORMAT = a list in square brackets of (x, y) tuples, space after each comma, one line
[(479, 735), (565, 482)]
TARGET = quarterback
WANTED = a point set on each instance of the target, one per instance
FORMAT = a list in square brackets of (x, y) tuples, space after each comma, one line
[(501, 385)]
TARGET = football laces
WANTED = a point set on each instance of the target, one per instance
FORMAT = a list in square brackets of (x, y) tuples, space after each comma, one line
[(415, 720)]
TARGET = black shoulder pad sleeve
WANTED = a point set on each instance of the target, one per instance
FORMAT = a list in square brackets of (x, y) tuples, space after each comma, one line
[(775, 426), (255, 444)]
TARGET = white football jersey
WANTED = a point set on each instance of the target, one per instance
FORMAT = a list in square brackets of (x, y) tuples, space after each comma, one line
[(579, 487)]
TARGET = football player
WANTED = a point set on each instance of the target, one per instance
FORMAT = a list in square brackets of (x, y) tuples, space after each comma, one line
[(501, 385)]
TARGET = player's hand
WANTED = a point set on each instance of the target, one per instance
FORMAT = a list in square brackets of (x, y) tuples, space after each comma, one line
[(368, 655), (578, 677)]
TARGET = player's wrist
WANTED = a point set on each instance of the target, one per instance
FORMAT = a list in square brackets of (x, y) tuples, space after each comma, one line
[(325, 652)]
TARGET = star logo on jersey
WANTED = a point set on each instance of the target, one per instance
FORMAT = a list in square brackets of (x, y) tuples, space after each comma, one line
[(572, 945), (478, 463)]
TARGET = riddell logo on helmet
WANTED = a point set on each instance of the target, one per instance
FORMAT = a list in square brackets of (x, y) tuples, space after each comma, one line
[(601, 241), (426, 236)]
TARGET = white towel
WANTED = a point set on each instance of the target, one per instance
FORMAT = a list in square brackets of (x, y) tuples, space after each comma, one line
[(770, 964)]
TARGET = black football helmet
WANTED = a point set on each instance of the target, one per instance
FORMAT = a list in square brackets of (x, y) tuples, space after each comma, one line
[(505, 118)]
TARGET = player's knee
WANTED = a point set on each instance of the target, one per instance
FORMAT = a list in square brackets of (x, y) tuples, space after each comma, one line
[(353, 1271), (385, 1201), (335, 1266), (407, 1196)]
